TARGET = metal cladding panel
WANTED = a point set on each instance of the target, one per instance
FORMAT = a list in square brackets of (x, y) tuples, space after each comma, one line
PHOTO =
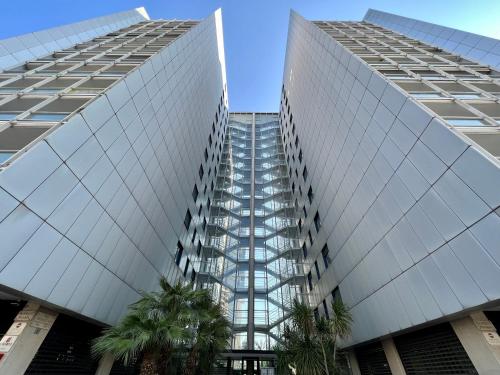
[(406, 203), (19, 49), (90, 216), (475, 47)]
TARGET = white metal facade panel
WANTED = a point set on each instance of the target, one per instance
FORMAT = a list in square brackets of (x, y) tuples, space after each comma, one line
[(478, 48), (19, 49), (407, 206), (91, 214)]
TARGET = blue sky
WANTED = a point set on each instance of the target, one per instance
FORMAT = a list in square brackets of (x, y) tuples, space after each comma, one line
[(255, 31)]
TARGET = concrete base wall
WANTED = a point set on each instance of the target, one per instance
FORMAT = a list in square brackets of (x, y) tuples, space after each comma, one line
[(471, 332), (391, 352), (27, 342), (105, 365)]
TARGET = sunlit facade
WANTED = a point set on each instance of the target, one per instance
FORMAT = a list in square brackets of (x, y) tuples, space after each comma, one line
[(375, 183)]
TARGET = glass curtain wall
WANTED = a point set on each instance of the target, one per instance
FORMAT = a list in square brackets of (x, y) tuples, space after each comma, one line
[(251, 260)]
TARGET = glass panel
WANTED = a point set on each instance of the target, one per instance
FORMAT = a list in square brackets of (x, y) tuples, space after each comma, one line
[(47, 116), (465, 122), (277, 278), (4, 156), (427, 95), (8, 116)]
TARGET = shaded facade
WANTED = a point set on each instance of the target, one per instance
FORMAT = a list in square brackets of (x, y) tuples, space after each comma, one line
[(251, 259)]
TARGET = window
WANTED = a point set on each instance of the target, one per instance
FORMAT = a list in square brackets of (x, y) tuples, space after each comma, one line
[(309, 281), (310, 237), (300, 225), (178, 254), (113, 70), (465, 122), (466, 95), (304, 250), (186, 268), (305, 211), (317, 222), (293, 188), (198, 249), (20, 84), (212, 186), (489, 109), (210, 140), (304, 173), (13, 108), (449, 109), (317, 269), (489, 141), (310, 195), (204, 223), (195, 193), (300, 156), (14, 138), (336, 294), (325, 307), (201, 172), (92, 86), (194, 236), (199, 210), (426, 95), (208, 203), (206, 155), (187, 219), (296, 141), (193, 276), (325, 255), (316, 314)]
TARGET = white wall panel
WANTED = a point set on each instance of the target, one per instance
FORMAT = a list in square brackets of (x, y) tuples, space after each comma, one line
[(19, 49), (478, 48), (405, 202), (105, 194)]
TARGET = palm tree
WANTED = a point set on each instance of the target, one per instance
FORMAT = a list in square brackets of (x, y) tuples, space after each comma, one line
[(340, 323), (307, 342), (215, 338), (211, 334), (324, 334), (300, 343), (153, 327), (302, 318)]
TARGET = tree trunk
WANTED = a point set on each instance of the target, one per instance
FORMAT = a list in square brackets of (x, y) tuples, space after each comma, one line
[(324, 359), (335, 351), (164, 358), (149, 365), (191, 361)]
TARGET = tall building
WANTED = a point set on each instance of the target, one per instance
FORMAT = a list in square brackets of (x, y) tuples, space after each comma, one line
[(391, 129), (106, 127), (376, 183)]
